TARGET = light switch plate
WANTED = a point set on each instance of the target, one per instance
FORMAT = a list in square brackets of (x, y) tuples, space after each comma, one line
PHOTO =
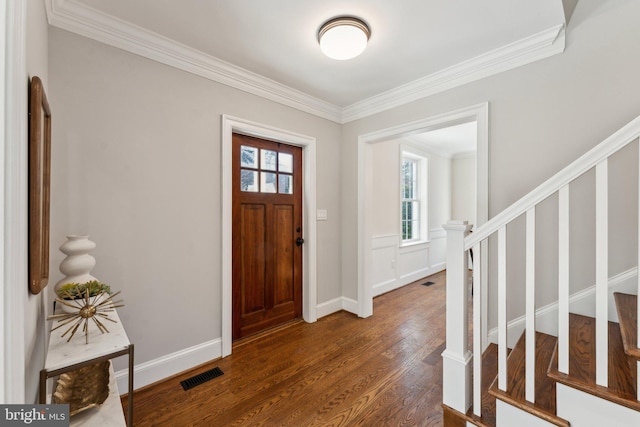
[(321, 215)]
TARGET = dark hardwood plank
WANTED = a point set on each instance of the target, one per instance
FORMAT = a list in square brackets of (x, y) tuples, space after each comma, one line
[(627, 308), (545, 388), (453, 418), (341, 370), (582, 370)]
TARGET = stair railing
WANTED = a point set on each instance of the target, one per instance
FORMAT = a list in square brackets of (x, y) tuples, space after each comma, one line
[(459, 392)]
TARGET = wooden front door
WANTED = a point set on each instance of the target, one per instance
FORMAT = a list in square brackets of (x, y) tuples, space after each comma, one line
[(267, 234)]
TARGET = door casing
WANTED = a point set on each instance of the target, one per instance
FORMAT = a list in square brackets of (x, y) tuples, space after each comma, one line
[(478, 113), (232, 125)]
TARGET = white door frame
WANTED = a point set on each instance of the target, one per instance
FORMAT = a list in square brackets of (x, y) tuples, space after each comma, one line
[(13, 203), (309, 261), (478, 113)]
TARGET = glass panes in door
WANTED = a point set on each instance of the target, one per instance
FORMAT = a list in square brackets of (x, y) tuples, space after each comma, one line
[(274, 169)]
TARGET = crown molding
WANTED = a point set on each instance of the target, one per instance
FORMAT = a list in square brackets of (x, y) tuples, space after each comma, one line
[(423, 148), (538, 46), (94, 24), (91, 23)]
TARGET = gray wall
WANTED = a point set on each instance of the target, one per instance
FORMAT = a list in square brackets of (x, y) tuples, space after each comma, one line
[(542, 116), (35, 310), (463, 187), (136, 165)]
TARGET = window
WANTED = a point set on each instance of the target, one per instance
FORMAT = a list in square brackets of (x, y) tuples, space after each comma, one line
[(413, 209), (275, 171)]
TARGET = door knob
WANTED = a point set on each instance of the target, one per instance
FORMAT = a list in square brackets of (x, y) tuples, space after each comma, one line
[(299, 241)]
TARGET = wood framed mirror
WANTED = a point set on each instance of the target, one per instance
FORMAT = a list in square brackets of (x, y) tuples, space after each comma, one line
[(39, 185)]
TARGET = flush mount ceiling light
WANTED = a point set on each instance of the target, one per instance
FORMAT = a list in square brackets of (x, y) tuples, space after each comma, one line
[(344, 37)]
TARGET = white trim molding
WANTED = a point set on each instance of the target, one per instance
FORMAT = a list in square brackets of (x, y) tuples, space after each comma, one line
[(337, 304), (309, 224), (478, 113), (533, 48), (394, 266), (171, 364), (14, 210), (88, 22)]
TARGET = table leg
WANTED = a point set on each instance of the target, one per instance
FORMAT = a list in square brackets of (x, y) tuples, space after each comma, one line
[(130, 412)]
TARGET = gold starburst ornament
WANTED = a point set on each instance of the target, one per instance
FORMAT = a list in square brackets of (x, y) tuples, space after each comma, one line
[(89, 308)]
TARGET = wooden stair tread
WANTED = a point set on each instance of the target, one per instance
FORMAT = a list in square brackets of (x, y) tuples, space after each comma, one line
[(627, 308), (582, 366), (545, 393)]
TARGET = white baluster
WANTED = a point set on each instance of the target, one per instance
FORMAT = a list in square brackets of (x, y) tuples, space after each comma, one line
[(456, 359), (477, 331), (563, 280), (602, 273), (530, 283), (502, 308)]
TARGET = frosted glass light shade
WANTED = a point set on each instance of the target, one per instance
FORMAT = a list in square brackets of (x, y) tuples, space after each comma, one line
[(343, 38)]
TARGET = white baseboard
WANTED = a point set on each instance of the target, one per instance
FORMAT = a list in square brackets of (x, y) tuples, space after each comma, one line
[(158, 369), (337, 304), (350, 305), (391, 285), (329, 307), (582, 302), (163, 367), (388, 286)]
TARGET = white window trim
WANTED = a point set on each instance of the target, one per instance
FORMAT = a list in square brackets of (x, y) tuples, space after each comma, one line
[(407, 152)]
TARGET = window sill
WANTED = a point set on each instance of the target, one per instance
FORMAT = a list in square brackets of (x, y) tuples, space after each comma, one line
[(413, 243)]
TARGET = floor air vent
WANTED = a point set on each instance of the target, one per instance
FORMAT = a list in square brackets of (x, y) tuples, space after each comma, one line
[(201, 378)]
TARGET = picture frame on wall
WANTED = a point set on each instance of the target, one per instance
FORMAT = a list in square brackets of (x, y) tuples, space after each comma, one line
[(39, 185)]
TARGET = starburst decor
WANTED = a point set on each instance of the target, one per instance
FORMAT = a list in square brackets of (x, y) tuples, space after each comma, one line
[(89, 308)]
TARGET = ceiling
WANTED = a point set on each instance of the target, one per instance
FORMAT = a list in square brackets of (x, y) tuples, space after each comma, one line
[(430, 42), (449, 141)]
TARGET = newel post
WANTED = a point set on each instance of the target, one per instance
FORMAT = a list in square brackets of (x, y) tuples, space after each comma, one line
[(457, 359)]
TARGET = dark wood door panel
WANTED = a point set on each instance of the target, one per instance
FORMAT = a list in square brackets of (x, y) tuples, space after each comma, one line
[(253, 259), (284, 244), (267, 221)]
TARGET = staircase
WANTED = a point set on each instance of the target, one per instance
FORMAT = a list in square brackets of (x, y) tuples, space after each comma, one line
[(587, 373)]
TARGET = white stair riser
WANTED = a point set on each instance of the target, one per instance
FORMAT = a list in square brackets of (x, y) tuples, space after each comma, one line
[(585, 410), (510, 416)]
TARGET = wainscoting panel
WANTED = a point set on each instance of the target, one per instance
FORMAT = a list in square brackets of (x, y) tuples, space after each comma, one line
[(393, 266), (384, 258), (414, 259)]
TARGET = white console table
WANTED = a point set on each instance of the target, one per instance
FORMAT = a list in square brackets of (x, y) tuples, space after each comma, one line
[(63, 356)]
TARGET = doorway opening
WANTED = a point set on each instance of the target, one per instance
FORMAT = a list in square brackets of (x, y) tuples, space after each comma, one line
[(477, 114)]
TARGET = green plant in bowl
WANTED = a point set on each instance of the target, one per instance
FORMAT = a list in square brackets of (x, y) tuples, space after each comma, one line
[(77, 290)]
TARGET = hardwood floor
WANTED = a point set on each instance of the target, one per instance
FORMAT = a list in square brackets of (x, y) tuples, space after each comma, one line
[(385, 370)]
